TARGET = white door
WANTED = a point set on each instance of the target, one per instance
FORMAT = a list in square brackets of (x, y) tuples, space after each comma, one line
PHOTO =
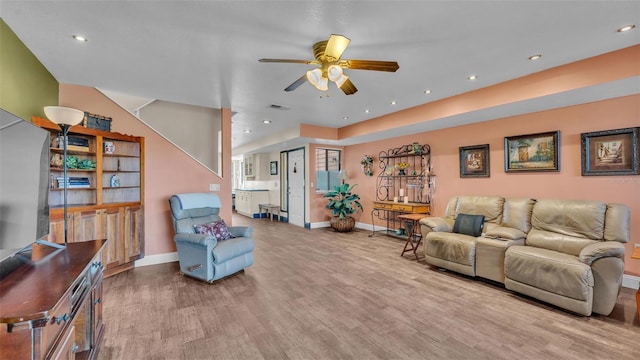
[(295, 173)]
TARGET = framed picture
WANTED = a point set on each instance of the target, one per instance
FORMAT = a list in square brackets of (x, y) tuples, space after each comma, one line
[(474, 161), (532, 152), (611, 152), (273, 168)]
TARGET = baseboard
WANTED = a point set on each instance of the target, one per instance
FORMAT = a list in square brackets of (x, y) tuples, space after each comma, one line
[(359, 225), (157, 259), (630, 281)]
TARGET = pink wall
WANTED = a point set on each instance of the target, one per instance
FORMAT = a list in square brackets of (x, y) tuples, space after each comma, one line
[(616, 65), (567, 184), (168, 170)]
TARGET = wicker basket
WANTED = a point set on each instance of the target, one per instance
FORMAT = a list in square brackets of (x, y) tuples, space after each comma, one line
[(342, 225)]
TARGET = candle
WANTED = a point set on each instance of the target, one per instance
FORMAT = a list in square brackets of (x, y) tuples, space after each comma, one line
[(401, 192), (395, 199), (406, 199)]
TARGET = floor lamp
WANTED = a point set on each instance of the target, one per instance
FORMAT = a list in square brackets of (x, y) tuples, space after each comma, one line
[(65, 118), (343, 176)]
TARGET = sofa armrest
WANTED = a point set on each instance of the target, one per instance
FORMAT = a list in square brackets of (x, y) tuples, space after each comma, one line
[(437, 224), (504, 233), (601, 250), (197, 239), (241, 231)]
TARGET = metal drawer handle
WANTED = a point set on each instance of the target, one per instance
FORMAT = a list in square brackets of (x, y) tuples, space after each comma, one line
[(63, 318)]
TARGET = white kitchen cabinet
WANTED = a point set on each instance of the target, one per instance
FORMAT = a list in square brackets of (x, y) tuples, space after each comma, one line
[(256, 167), (248, 201)]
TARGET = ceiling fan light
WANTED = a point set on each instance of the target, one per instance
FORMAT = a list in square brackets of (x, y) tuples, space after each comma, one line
[(315, 78), (334, 72)]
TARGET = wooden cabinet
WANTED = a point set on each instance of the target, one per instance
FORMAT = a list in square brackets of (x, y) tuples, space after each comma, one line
[(51, 305), (248, 201), (405, 184), (133, 232), (256, 167), (110, 206)]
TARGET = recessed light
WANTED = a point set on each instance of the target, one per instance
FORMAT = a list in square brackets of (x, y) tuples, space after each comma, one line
[(80, 38), (427, 91), (266, 121), (393, 102), (535, 57), (626, 28), (247, 131), (345, 118), (472, 77), (366, 111)]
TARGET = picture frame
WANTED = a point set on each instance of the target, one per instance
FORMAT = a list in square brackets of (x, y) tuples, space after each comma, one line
[(474, 161), (273, 168), (610, 152), (532, 152)]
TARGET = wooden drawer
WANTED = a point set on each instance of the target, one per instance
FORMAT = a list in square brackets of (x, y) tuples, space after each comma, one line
[(400, 207), (382, 206), (59, 318)]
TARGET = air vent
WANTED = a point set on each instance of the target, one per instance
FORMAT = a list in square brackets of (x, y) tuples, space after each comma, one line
[(278, 107)]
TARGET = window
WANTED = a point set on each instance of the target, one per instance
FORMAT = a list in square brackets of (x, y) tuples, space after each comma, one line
[(327, 168)]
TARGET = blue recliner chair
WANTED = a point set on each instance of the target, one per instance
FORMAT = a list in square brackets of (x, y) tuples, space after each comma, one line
[(203, 256)]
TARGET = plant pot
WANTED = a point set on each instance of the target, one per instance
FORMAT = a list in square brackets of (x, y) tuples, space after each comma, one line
[(342, 225)]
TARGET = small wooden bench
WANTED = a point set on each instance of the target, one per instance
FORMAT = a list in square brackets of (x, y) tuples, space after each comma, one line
[(270, 210)]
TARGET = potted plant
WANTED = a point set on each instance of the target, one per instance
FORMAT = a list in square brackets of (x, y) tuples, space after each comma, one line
[(343, 203)]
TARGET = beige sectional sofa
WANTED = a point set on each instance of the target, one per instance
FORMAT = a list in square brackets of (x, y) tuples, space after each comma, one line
[(568, 253)]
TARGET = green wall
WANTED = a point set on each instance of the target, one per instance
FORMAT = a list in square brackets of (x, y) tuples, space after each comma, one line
[(26, 86)]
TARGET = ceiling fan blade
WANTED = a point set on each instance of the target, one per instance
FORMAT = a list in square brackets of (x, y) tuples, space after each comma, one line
[(336, 45), (348, 88), (312, 62), (390, 66), (297, 83)]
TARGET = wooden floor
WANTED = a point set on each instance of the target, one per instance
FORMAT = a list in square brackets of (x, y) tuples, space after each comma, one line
[(317, 294)]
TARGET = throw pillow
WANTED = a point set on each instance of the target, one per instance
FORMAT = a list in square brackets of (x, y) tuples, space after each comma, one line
[(217, 229), (469, 224)]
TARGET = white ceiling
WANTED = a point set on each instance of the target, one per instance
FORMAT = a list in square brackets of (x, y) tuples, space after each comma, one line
[(206, 53)]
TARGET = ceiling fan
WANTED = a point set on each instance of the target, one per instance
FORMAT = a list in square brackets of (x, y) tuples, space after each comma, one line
[(327, 54)]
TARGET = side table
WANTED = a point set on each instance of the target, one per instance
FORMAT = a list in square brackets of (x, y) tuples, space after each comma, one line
[(636, 255), (413, 221)]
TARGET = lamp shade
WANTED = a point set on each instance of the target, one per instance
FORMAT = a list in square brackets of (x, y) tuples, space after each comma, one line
[(317, 80), (343, 175), (63, 115)]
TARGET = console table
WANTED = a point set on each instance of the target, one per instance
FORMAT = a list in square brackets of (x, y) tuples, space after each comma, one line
[(397, 207), (51, 305)]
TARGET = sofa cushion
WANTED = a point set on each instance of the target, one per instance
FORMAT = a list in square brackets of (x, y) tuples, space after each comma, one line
[(517, 213), (489, 206), (457, 248), (574, 218), (617, 223), (469, 224), (558, 242), (549, 270), (227, 250), (503, 232), (217, 229)]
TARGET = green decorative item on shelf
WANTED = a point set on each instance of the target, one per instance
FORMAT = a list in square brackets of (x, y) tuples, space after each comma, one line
[(86, 164), (343, 203), (72, 162)]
